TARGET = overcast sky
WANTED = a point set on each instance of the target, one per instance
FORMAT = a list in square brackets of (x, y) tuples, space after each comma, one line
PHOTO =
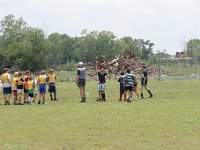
[(166, 23)]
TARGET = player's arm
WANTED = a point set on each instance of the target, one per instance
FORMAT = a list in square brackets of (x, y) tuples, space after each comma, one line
[(9, 79), (55, 78), (47, 79), (33, 84), (38, 81), (78, 75), (1, 85), (119, 79)]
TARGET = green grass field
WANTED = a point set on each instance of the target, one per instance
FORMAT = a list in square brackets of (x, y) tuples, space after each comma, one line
[(170, 120)]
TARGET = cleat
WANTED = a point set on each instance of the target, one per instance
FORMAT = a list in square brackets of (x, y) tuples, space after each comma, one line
[(150, 96), (99, 99), (129, 100), (82, 101), (39, 102)]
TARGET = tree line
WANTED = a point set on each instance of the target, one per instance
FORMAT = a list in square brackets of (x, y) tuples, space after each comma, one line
[(25, 47)]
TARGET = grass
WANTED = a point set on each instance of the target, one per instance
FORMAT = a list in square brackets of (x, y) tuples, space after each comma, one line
[(170, 120)]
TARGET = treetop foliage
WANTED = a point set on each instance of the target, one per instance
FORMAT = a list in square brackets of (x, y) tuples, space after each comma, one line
[(24, 47)]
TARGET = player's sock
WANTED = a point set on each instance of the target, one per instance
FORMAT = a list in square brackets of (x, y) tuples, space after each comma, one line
[(39, 102), (83, 100), (150, 94), (142, 96), (51, 96), (124, 96), (120, 98), (103, 96), (55, 99), (127, 97)]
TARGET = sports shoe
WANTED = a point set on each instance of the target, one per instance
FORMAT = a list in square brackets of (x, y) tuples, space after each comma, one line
[(150, 96), (44, 103), (39, 102), (129, 100), (7, 103), (99, 99)]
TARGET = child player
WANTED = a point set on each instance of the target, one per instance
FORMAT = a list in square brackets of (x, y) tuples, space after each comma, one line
[(102, 84), (135, 88), (121, 81), (6, 84), (129, 82), (144, 81), (81, 80), (14, 87), (20, 86), (26, 77), (52, 84), (42, 81), (30, 87), (37, 92)]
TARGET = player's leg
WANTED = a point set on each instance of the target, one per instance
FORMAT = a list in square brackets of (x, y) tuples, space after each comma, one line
[(82, 94), (103, 95), (55, 93), (50, 92), (15, 97), (44, 95), (130, 93), (40, 94), (148, 90), (141, 90), (82, 90), (5, 94)]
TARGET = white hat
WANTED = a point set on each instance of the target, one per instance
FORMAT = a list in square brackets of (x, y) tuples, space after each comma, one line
[(80, 63)]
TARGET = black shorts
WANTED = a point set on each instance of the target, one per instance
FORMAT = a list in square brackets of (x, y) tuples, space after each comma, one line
[(81, 82), (52, 89), (128, 88), (121, 90), (31, 95), (7, 90), (144, 82), (25, 90)]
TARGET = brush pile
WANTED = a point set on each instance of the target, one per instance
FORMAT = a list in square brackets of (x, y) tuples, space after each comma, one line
[(120, 63)]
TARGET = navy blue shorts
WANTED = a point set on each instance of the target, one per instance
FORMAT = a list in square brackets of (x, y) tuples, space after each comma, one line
[(42, 88), (121, 90), (144, 82), (52, 89), (81, 82), (7, 90), (128, 88)]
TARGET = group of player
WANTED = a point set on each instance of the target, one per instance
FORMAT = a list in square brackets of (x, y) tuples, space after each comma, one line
[(24, 83), (128, 83)]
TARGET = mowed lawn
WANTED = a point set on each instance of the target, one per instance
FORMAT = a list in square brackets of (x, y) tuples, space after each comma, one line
[(170, 120)]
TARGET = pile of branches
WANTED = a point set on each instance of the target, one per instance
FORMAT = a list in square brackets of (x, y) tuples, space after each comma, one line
[(120, 63)]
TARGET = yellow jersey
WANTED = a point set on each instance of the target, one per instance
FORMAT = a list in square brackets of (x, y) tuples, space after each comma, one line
[(42, 79), (5, 78), (15, 82), (52, 78), (30, 85)]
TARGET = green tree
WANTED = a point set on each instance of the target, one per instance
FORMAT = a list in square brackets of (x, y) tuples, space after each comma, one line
[(22, 47), (193, 48)]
